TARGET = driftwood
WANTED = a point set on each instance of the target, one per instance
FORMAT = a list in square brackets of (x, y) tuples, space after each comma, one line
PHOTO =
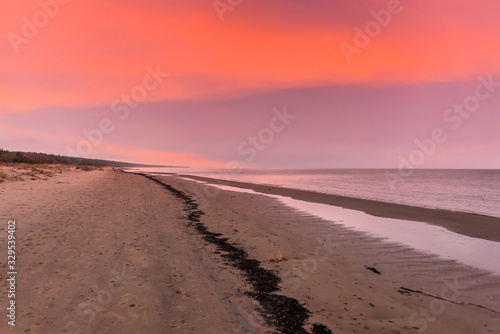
[(448, 300)]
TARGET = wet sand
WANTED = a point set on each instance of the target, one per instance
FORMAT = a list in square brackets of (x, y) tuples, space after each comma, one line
[(111, 252), (473, 225)]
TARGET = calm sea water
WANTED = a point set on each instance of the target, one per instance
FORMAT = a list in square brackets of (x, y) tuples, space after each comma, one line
[(476, 191)]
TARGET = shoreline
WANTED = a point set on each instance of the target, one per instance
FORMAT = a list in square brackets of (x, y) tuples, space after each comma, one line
[(483, 227), (106, 251), (329, 268)]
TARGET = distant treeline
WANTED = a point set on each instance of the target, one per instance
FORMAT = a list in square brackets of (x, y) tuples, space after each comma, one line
[(42, 158)]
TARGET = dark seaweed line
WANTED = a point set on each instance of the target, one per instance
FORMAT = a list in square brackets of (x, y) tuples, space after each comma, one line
[(284, 313)]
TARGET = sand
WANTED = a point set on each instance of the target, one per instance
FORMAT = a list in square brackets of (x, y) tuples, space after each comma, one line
[(473, 225), (111, 252)]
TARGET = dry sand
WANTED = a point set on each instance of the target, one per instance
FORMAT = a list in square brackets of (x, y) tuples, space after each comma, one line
[(24, 172), (110, 252)]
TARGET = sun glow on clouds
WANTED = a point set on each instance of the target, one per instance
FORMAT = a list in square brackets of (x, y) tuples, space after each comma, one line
[(91, 52), (158, 157)]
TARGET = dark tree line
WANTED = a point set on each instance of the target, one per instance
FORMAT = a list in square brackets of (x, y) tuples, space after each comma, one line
[(42, 158)]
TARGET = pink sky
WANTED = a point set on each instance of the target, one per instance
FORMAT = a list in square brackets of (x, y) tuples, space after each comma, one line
[(225, 77)]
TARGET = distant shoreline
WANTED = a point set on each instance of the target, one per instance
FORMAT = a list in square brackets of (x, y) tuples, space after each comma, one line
[(469, 224)]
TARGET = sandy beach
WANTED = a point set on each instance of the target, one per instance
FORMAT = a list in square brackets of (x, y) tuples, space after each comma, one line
[(105, 251), (473, 225)]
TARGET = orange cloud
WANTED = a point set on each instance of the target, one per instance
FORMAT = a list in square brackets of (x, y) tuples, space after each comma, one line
[(139, 155), (92, 51)]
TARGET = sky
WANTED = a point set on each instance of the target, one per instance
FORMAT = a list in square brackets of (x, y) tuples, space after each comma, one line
[(258, 84)]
